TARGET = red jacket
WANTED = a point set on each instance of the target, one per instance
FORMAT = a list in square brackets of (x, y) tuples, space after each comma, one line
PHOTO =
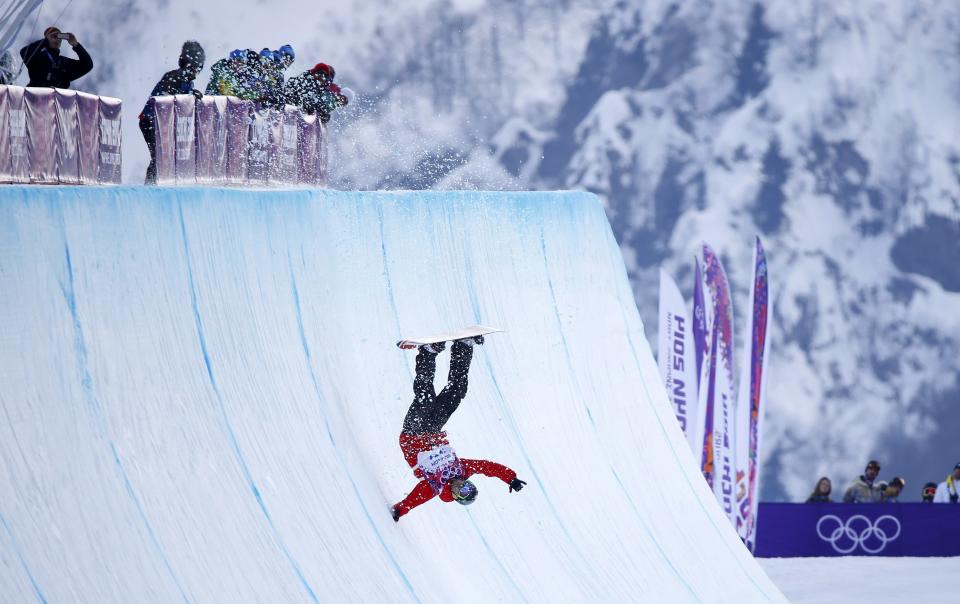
[(413, 444)]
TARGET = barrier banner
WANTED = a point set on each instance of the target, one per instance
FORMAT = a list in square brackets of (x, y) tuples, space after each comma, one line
[(88, 127), (322, 154), (259, 147), (41, 134), (307, 149), (722, 392), (676, 358), (4, 137), (17, 160), (238, 139), (751, 405), (110, 156), (67, 143), (164, 127), (283, 163), (211, 127), (185, 142), (791, 530)]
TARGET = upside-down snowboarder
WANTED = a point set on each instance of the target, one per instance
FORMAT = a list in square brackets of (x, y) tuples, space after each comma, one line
[(424, 443)]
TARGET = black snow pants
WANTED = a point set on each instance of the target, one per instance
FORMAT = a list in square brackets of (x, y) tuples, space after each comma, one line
[(430, 411), (150, 136)]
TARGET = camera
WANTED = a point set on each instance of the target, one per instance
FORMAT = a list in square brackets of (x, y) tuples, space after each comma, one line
[(63, 36)]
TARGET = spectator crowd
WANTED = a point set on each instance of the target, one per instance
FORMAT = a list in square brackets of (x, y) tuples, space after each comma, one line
[(866, 488), (259, 77), (251, 76)]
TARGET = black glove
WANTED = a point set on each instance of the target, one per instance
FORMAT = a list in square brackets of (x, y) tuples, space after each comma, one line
[(395, 513), (197, 94), (516, 484)]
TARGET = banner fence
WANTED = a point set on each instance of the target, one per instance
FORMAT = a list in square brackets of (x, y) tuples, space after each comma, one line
[(793, 530), (50, 136), (53, 136), (223, 140)]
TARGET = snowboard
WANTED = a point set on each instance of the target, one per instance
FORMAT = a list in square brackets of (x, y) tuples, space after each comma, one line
[(471, 331)]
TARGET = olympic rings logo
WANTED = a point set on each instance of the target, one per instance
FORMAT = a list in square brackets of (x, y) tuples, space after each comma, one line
[(858, 530)]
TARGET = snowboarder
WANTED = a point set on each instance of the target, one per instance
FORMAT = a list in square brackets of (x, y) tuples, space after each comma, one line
[(314, 92), (178, 81), (223, 74), (424, 443)]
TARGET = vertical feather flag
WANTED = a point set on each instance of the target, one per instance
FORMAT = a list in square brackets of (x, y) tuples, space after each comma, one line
[(723, 399), (676, 357), (750, 405)]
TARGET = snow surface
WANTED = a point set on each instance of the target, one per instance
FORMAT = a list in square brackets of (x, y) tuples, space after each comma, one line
[(866, 580), (826, 127), (202, 396)]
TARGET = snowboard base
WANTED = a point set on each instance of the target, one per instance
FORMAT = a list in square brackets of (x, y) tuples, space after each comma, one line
[(471, 331)]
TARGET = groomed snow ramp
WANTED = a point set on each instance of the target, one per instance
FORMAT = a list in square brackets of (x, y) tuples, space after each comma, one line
[(201, 400)]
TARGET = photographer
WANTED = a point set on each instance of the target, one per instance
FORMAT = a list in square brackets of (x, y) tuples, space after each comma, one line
[(47, 68)]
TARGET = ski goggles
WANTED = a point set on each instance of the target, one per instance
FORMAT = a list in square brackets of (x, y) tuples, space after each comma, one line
[(465, 493)]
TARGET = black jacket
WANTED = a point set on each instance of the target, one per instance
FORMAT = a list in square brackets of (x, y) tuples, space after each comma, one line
[(47, 68), (178, 81), (313, 96)]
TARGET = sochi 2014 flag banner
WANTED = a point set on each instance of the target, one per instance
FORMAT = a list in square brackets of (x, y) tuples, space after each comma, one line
[(705, 431), (724, 401), (699, 319), (701, 343), (676, 356), (750, 405)]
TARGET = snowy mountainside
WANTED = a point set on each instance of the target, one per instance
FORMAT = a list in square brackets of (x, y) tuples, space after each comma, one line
[(828, 128)]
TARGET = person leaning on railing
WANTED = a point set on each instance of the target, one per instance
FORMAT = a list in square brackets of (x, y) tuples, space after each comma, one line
[(947, 491), (821, 494), (314, 92), (864, 489), (892, 490), (47, 67), (178, 81)]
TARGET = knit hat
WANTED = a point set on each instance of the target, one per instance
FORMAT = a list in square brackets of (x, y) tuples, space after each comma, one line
[(286, 49), (325, 69), (192, 54)]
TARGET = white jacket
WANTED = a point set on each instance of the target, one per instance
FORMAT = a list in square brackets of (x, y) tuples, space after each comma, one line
[(944, 491)]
